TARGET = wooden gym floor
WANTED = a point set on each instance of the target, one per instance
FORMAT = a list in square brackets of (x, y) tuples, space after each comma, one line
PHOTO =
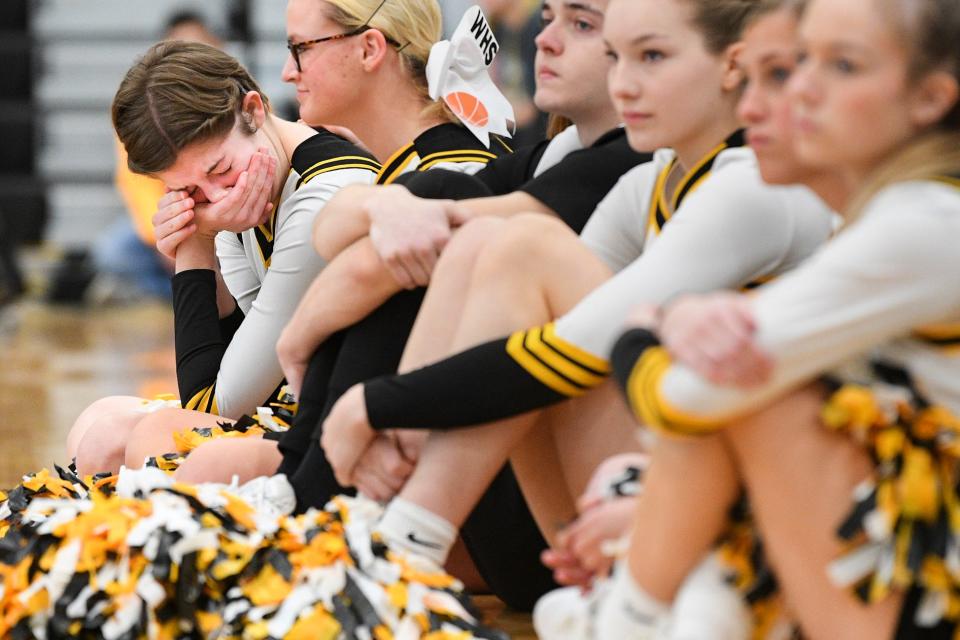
[(56, 360)]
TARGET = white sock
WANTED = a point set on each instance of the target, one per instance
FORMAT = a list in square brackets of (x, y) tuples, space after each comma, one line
[(412, 528), (628, 611)]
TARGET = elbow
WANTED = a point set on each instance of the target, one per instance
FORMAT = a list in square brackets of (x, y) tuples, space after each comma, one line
[(323, 238), (364, 270), (332, 228)]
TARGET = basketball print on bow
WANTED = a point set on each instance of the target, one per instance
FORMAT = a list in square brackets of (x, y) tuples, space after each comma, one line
[(468, 108), (458, 74)]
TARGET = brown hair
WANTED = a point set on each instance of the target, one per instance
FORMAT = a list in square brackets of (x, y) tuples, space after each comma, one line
[(722, 21), (177, 94), (931, 31), (414, 25), (766, 7), (556, 124)]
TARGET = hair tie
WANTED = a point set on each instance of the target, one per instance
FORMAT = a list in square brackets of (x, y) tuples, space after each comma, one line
[(458, 74)]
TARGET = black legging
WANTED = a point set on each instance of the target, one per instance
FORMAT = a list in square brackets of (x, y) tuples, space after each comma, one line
[(500, 533)]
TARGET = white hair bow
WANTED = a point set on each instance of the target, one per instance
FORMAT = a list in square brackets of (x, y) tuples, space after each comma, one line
[(457, 72)]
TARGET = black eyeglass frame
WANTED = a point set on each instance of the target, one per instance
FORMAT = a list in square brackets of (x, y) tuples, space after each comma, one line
[(297, 48)]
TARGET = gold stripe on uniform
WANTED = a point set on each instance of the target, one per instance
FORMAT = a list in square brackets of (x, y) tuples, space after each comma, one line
[(201, 400), (264, 237), (943, 336), (646, 398), (949, 180), (342, 162), (431, 157), (658, 213), (396, 164), (455, 160)]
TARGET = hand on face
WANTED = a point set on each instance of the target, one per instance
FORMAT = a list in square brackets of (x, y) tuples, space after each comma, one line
[(247, 204), (713, 334), (409, 233), (347, 435), (173, 222)]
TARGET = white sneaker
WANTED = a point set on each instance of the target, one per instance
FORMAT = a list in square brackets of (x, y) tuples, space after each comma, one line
[(269, 494), (707, 607), (571, 614), (566, 614)]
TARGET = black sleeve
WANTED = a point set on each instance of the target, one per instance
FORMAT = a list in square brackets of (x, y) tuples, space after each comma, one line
[(230, 324), (574, 187), (499, 379), (505, 174), (198, 334), (627, 351), (470, 388), (443, 184)]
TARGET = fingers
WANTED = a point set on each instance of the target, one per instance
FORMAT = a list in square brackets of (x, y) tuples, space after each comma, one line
[(175, 211), (257, 202), (567, 570), (168, 246), (382, 471), (457, 214), (247, 204), (170, 199), (714, 335), (400, 274), (294, 376), (370, 485)]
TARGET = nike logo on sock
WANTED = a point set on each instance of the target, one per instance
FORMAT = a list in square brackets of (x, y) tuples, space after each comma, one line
[(423, 543), (638, 617)]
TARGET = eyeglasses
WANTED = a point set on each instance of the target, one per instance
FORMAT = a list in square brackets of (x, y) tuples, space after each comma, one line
[(297, 48)]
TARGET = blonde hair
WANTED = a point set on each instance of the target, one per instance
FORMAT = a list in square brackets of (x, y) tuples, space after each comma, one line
[(177, 94), (413, 25), (931, 31)]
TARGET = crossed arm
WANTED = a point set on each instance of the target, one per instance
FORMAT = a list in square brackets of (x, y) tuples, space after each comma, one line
[(379, 240)]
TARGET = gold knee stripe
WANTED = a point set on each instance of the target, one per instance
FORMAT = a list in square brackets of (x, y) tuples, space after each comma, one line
[(648, 404), (569, 369), (573, 352), (543, 373)]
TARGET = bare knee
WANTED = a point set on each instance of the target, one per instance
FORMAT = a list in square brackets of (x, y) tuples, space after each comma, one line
[(526, 242), (153, 435), (471, 238), (94, 412), (222, 460), (103, 444)]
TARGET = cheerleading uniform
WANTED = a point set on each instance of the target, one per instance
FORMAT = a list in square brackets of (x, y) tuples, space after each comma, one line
[(878, 310), (500, 534), (723, 228), (229, 366)]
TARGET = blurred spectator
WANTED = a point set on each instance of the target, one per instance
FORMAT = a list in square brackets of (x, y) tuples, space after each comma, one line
[(126, 261)]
